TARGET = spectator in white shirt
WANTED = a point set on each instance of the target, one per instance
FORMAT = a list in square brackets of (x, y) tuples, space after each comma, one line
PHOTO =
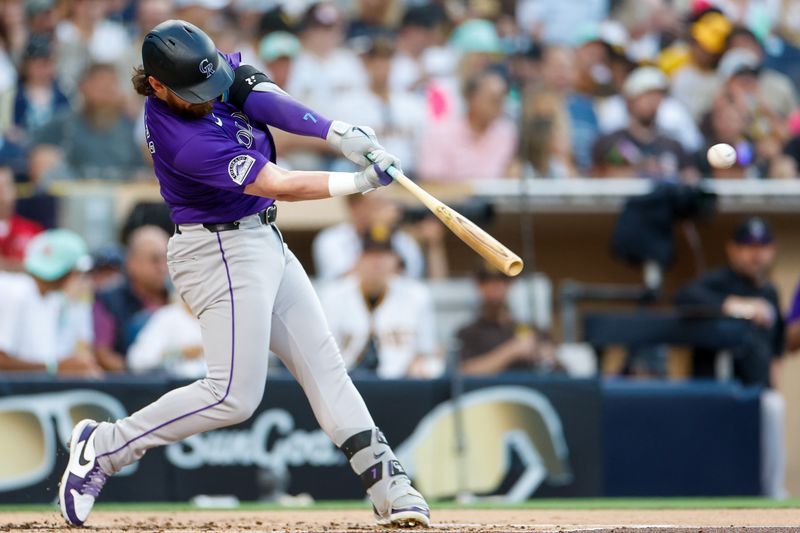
[(383, 322), (416, 35), (44, 328), (398, 116), (324, 71), (149, 13), (559, 21), (672, 119), (336, 249), (278, 52), (87, 37), (171, 341)]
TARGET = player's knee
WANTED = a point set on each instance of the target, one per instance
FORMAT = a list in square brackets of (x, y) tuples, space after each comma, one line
[(241, 407)]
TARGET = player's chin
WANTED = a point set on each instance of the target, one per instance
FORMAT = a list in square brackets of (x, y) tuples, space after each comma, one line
[(192, 111)]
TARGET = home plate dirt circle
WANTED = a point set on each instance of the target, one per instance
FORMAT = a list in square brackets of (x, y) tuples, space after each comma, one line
[(471, 520)]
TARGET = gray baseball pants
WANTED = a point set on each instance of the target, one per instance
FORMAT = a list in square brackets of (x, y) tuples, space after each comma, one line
[(250, 293)]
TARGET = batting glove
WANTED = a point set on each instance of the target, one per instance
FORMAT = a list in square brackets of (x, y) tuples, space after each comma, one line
[(355, 142), (376, 175)]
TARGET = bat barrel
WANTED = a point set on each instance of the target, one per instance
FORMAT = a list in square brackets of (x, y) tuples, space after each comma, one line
[(505, 261), (481, 242), (512, 268)]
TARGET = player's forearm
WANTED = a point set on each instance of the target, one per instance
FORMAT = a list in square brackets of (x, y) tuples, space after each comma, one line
[(278, 109), (294, 185), (290, 185), (303, 185)]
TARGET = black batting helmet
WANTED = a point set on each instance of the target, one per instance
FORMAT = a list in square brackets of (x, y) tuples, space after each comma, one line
[(181, 56)]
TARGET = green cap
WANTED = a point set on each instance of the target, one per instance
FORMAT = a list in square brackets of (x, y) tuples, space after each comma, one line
[(34, 7), (476, 35), (54, 253), (278, 44)]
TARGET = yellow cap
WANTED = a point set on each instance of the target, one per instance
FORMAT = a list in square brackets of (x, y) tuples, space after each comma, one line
[(673, 58), (378, 238), (711, 31)]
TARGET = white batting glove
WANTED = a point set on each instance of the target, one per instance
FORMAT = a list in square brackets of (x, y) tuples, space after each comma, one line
[(375, 175), (355, 142)]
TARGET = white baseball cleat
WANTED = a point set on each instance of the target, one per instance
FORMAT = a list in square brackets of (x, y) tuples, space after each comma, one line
[(407, 509), (395, 502), (83, 479)]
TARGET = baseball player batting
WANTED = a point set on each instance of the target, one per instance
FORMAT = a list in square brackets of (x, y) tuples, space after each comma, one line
[(206, 122)]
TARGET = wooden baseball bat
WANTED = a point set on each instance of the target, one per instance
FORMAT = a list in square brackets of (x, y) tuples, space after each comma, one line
[(484, 244)]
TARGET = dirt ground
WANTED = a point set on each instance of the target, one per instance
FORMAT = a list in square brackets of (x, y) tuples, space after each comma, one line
[(472, 521)]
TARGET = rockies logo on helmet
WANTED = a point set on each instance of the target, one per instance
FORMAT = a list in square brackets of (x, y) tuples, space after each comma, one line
[(207, 68)]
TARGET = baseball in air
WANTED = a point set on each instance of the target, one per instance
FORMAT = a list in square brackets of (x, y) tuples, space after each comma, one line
[(721, 155)]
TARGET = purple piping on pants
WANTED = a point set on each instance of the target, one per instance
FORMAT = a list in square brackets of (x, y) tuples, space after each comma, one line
[(230, 375)]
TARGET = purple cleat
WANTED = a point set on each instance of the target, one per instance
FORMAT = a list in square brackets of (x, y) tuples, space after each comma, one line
[(83, 479)]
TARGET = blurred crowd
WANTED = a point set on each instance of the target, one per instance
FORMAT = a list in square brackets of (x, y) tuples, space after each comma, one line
[(460, 90)]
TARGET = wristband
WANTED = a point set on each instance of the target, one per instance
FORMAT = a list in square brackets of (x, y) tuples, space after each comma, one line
[(342, 183)]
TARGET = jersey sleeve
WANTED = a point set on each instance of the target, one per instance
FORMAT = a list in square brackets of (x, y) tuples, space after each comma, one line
[(219, 162), (268, 103)]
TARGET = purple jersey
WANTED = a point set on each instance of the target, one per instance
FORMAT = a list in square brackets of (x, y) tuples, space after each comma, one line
[(203, 165)]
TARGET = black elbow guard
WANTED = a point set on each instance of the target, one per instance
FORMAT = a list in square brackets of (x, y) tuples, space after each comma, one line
[(245, 78)]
